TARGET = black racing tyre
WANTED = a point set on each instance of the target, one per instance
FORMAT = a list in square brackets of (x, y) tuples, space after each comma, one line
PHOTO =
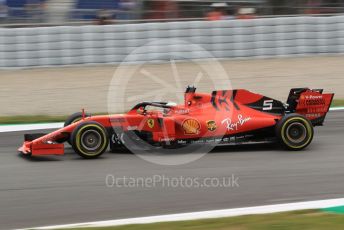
[(295, 132), (90, 139), (75, 117)]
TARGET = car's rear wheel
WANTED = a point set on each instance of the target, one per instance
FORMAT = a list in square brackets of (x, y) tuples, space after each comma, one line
[(89, 139), (295, 132)]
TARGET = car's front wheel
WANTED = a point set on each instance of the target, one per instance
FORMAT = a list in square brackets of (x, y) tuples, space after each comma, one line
[(89, 139), (75, 117), (295, 132)]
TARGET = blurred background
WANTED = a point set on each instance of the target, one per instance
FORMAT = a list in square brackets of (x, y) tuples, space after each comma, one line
[(14, 13), (59, 56), (267, 46)]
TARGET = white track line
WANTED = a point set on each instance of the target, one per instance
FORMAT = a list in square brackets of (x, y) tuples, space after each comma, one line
[(25, 127), (207, 214), (336, 108)]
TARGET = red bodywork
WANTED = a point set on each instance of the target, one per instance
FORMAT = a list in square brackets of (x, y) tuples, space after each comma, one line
[(221, 113)]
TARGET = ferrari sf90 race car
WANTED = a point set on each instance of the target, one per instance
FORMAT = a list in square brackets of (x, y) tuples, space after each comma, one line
[(225, 117)]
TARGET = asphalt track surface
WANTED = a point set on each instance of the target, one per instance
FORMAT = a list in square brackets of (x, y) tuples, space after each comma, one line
[(67, 189)]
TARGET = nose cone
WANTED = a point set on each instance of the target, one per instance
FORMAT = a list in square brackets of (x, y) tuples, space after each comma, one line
[(25, 148)]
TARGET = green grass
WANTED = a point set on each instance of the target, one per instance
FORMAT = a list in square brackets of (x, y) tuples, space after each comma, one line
[(338, 102), (30, 119), (308, 219), (46, 118)]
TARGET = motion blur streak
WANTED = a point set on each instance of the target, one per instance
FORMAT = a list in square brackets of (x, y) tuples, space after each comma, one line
[(57, 190)]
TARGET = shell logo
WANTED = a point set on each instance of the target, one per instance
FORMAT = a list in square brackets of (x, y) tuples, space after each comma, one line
[(191, 127)]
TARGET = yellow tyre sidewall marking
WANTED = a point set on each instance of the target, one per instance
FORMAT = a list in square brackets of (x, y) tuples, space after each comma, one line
[(308, 127), (76, 120), (78, 141)]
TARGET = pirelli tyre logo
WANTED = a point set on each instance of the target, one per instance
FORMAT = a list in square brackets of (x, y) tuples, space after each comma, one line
[(211, 125), (191, 127)]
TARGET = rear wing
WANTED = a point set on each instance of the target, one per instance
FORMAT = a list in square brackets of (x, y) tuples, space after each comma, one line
[(312, 103)]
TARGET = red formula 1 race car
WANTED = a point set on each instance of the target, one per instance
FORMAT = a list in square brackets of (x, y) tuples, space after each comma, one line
[(221, 117)]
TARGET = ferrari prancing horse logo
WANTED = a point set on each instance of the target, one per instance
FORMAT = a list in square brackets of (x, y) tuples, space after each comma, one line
[(150, 123)]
